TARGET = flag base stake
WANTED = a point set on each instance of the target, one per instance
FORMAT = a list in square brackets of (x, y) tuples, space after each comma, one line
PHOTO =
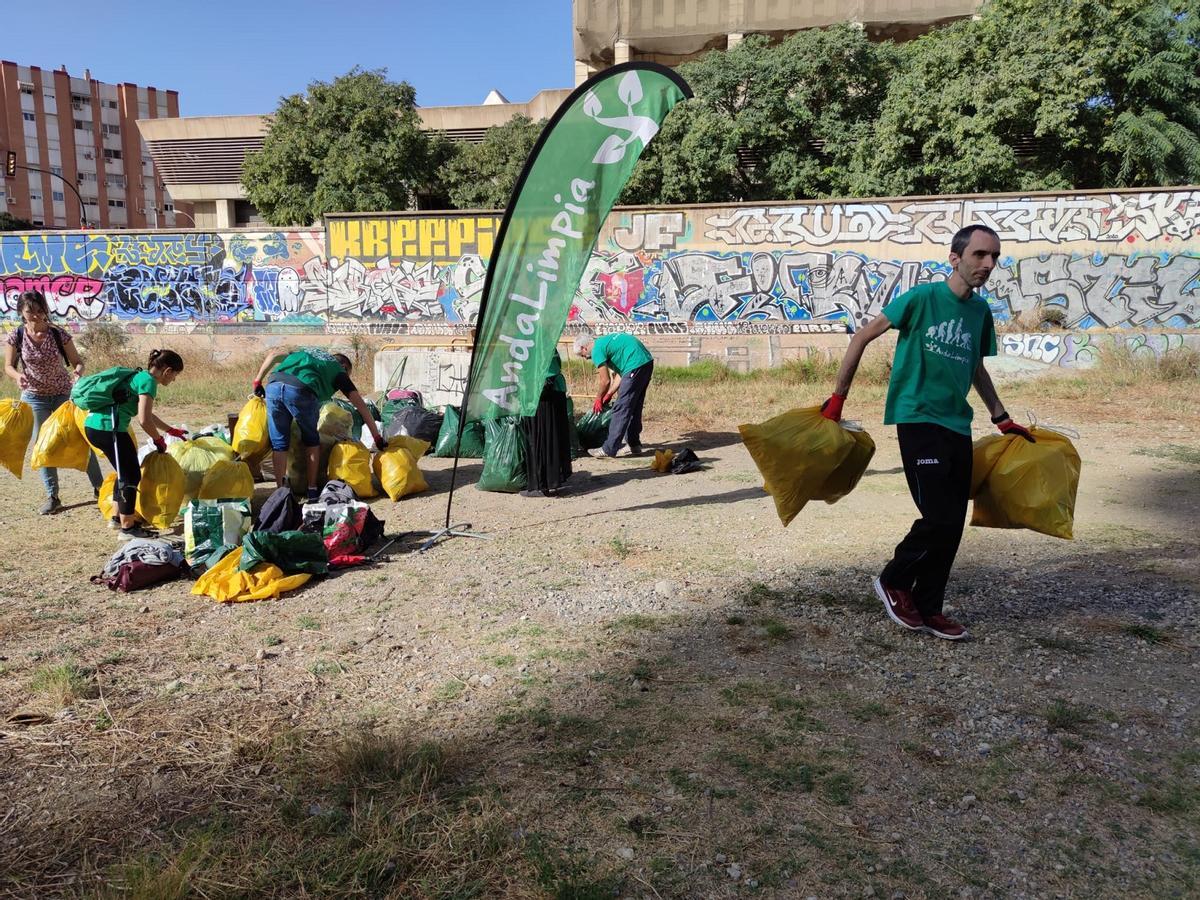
[(459, 530)]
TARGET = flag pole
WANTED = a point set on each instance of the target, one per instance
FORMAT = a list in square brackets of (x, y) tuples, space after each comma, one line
[(615, 153)]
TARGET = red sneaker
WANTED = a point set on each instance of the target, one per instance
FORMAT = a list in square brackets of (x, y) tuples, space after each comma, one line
[(899, 606), (947, 629)]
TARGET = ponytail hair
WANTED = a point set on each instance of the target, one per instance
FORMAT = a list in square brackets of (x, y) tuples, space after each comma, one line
[(165, 359)]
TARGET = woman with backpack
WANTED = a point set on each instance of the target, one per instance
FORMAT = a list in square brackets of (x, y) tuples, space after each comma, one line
[(43, 352), (107, 427)]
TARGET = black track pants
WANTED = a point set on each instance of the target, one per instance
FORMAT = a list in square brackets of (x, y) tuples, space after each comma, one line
[(129, 473), (937, 464)]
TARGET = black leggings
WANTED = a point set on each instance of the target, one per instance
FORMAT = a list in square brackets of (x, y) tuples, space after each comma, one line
[(129, 473)]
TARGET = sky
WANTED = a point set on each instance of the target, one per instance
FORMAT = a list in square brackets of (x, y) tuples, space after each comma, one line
[(229, 58)]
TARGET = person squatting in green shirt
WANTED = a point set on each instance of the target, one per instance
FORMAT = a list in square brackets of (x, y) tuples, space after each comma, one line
[(946, 330), (300, 383), (625, 356), (116, 443)]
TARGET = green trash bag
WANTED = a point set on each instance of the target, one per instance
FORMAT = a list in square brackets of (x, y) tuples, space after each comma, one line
[(504, 454), (472, 439), (292, 551), (593, 428), (573, 431)]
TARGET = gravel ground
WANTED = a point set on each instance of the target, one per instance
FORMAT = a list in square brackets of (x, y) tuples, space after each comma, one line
[(688, 698)]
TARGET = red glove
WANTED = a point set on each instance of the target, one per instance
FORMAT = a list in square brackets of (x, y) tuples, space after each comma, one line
[(160, 445), (832, 408), (598, 405), (1008, 426), (259, 390), (177, 432)]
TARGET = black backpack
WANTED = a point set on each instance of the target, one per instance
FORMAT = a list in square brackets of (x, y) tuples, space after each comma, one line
[(58, 340), (281, 512)]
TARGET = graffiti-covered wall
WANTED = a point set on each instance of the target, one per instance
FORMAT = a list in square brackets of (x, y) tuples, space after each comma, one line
[(1127, 259)]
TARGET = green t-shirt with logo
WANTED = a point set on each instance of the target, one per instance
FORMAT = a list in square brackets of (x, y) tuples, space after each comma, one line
[(621, 352), (141, 383), (942, 339)]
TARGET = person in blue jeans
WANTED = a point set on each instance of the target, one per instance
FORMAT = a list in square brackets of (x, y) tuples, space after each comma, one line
[(36, 358), (627, 358), (298, 384)]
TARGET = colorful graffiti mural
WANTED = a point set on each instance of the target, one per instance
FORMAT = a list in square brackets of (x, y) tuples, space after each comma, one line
[(1125, 259)]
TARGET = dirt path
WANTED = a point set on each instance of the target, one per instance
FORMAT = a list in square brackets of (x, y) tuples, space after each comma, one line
[(649, 687)]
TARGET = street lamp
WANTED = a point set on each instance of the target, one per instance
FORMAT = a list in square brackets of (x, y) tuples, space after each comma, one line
[(83, 222)]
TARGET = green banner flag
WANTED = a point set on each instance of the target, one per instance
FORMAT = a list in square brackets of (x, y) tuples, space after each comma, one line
[(573, 176)]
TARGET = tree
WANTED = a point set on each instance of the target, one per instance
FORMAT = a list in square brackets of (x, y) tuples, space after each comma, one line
[(482, 176), (9, 222), (792, 110), (1041, 95), (350, 145)]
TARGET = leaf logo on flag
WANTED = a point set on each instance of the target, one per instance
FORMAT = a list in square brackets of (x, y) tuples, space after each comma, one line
[(636, 128)]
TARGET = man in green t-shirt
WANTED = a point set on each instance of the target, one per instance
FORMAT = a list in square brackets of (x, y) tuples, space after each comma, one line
[(626, 357), (945, 331), (300, 383)]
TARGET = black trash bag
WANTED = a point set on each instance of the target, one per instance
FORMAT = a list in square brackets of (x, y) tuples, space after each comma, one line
[(593, 428), (422, 424), (685, 461), (504, 453), (472, 439)]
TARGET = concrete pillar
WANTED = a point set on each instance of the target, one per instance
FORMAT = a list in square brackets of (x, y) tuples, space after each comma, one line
[(225, 215), (582, 72), (621, 52)]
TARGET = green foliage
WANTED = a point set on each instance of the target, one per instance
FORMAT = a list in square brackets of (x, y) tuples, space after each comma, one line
[(1041, 95), (482, 176), (818, 89), (350, 145), (10, 222)]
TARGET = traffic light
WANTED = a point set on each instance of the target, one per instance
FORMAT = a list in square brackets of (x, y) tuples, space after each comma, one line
[(10, 164)]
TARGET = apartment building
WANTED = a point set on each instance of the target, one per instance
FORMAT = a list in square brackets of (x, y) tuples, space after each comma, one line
[(80, 156)]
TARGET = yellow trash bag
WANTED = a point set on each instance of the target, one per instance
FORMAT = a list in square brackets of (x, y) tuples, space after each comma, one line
[(396, 468), (160, 492), (845, 477), (16, 428), (1028, 485), (104, 500), (415, 446), (250, 436), (265, 581), (228, 479), (351, 462), (985, 452), (662, 460), (336, 422), (61, 444), (195, 458), (797, 454), (297, 460)]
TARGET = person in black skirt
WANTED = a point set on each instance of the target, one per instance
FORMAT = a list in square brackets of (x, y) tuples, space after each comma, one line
[(548, 436)]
